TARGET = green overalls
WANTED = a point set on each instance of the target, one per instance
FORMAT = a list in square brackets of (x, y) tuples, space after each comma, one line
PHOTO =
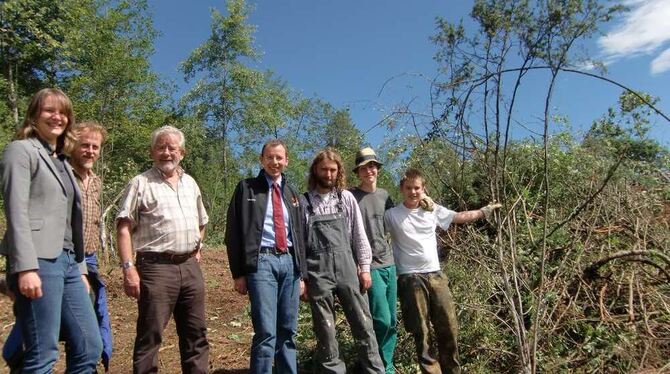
[(331, 270)]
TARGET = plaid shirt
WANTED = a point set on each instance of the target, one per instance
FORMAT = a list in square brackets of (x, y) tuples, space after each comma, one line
[(352, 214), (162, 218), (91, 209)]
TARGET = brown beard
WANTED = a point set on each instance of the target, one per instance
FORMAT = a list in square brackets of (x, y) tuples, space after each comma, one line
[(324, 184)]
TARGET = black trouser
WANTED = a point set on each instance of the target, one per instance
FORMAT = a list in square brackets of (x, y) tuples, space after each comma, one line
[(169, 289)]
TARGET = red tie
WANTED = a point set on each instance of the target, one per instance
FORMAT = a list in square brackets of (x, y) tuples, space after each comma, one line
[(278, 219)]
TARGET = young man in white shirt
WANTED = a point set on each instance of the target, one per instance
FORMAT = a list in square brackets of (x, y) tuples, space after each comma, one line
[(423, 288)]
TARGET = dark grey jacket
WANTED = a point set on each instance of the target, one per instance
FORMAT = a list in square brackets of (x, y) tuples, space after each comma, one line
[(244, 224), (35, 207)]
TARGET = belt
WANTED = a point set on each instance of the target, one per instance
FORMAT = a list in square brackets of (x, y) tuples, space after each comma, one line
[(166, 257), (275, 250)]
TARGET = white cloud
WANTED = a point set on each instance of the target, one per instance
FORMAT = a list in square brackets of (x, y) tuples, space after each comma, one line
[(644, 30), (661, 63)]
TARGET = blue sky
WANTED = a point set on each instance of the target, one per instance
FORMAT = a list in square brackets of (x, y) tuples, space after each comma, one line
[(370, 56)]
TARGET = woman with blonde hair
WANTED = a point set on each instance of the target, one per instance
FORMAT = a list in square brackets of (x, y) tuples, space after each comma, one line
[(44, 240)]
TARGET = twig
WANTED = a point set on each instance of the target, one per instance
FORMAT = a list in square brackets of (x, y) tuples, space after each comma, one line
[(631, 306), (604, 314), (585, 203), (645, 317), (592, 269), (575, 71)]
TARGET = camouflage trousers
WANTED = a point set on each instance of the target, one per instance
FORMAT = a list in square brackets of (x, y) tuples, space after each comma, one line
[(425, 299)]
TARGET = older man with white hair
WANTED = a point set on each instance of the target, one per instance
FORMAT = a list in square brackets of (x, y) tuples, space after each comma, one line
[(162, 219)]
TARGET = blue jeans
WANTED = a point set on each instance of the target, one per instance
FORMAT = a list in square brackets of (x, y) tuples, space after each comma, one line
[(99, 298), (12, 351), (274, 291), (64, 308)]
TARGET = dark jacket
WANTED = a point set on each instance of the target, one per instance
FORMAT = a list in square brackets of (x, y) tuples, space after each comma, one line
[(244, 224)]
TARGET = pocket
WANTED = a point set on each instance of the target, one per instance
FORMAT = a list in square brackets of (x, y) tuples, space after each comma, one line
[(145, 260), (262, 258), (314, 262), (36, 224)]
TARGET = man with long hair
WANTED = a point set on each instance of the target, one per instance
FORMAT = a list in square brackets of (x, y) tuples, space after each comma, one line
[(334, 227)]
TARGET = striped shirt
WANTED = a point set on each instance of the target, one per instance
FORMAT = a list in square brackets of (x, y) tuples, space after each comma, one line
[(91, 210), (328, 205), (162, 218)]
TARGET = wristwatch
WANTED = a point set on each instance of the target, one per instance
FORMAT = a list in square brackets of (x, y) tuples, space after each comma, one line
[(127, 265)]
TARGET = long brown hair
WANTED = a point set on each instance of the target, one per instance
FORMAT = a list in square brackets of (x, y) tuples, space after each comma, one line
[(67, 139), (328, 154)]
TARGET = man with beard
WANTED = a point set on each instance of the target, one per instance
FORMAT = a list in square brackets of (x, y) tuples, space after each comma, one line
[(162, 218), (265, 252), (334, 229), (90, 136)]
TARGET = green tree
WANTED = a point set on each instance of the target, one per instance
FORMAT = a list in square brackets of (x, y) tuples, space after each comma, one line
[(232, 99), (110, 80), (236, 103), (32, 34), (624, 132), (341, 133), (542, 183)]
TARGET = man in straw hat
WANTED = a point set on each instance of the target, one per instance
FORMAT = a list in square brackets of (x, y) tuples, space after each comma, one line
[(382, 295)]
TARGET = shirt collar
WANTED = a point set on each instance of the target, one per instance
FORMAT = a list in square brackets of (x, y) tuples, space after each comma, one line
[(180, 172), (314, 193), (270, 180), (89, 173)]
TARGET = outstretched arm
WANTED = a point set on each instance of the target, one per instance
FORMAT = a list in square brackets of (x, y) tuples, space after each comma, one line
[(468, 216), (475, 215)]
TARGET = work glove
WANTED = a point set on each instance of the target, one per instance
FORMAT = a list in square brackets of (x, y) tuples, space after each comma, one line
[(427, 204), (488, 210)]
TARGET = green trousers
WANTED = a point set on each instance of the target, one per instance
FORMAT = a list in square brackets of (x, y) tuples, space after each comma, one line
[(383, 296), (425, 300)]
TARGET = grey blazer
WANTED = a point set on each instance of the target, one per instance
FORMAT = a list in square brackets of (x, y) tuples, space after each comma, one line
[(35, 207)]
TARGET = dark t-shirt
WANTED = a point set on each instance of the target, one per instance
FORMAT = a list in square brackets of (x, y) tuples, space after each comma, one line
[(373, 205)]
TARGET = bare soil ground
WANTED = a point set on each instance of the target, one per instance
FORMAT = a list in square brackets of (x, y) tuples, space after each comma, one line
[(229, 327)]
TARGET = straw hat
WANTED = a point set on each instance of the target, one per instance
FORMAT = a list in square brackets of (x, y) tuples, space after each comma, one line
[(365, 156)]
